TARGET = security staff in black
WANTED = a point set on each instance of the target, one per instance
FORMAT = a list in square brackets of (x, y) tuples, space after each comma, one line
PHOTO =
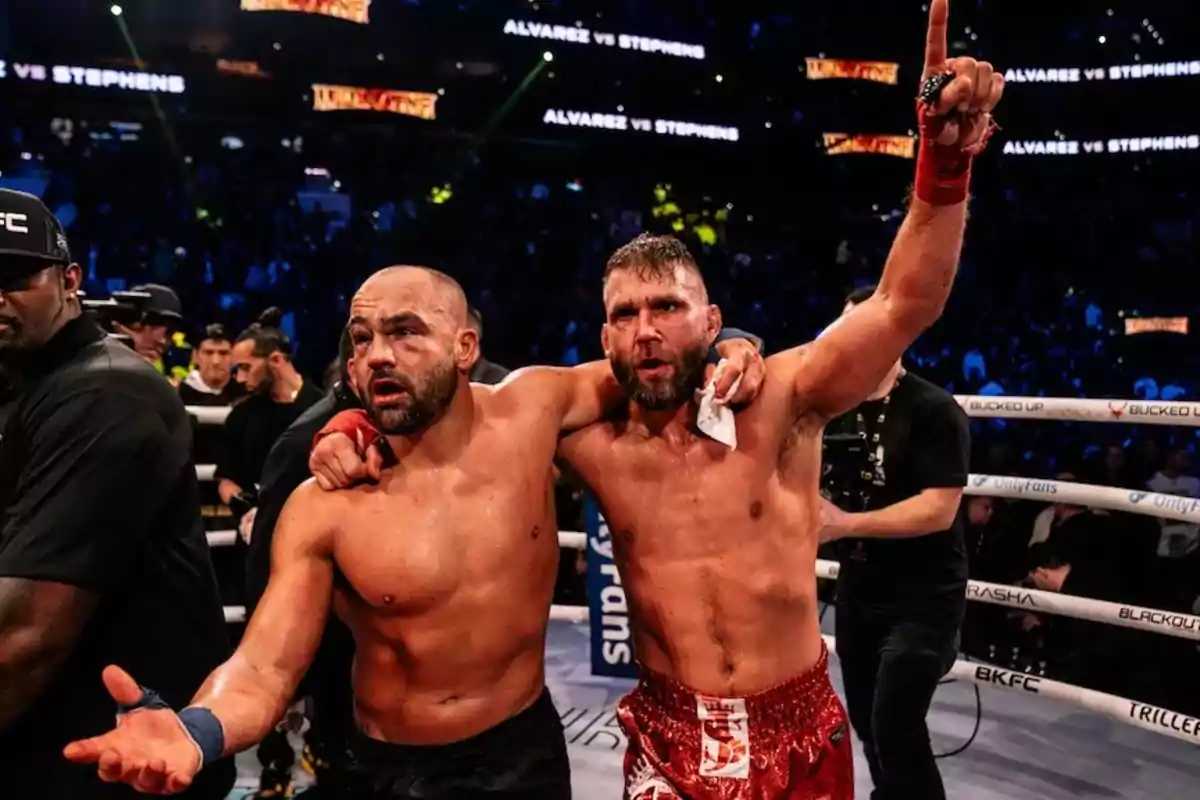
[(102, 555), (895, 468)]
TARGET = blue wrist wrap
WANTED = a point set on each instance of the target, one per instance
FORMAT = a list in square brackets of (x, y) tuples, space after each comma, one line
[(200, 723), (206, 731)]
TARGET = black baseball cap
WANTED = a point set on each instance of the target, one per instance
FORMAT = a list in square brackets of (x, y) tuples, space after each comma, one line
[(163, 302), (31, 237)]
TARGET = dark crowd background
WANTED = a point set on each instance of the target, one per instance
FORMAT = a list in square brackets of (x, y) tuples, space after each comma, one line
[(241, 203)]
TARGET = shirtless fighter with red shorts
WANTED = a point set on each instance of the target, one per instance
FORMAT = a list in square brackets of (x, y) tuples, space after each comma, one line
[(716, 547), (443, 572)]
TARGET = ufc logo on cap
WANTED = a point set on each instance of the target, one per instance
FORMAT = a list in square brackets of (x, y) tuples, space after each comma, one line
[(14, 223)]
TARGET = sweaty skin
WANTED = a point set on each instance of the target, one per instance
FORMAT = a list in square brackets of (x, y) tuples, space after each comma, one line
[(443, 571), (716, 548)]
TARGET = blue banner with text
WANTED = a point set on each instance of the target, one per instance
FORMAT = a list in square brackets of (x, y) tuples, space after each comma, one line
[(612, 642)]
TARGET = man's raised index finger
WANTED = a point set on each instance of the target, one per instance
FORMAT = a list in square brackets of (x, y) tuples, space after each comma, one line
[(936, 49)]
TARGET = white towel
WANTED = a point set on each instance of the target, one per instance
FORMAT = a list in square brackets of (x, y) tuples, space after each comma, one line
[(715, 418)]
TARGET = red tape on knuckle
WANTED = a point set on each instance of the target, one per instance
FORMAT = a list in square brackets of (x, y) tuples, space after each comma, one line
[(943, 171), (354, 424)]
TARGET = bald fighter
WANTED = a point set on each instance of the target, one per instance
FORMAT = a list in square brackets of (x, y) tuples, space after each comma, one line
[(443, 571), (716, 547)]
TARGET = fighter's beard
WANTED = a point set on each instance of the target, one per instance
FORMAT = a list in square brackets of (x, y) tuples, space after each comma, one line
[(424, 408), (686, 378)]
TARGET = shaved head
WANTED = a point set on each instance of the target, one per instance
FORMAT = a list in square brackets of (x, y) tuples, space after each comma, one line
[(412, 346), (441, 293)]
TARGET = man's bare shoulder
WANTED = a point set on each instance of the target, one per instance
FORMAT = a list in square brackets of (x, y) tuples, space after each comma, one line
[(785, 363), (311, 513), (524, 389)]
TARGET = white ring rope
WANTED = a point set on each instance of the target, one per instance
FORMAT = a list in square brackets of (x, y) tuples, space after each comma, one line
[(209, 415), (1131, 712), (1171, 623), (1149, 504), (1082, 409), (561, 613), (1060, 409)]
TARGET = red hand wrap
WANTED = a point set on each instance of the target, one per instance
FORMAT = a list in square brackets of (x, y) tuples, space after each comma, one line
[(943, 171), (355, 424)]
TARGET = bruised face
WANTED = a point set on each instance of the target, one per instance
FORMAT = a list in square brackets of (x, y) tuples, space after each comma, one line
[(33, 308), (657, 334), (410, 348)]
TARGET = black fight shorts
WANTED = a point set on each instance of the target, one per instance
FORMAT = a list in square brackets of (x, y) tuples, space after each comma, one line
[(523, 758)]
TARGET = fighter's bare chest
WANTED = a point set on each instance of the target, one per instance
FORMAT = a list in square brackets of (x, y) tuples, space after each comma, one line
[(651, 483), (414, 541)]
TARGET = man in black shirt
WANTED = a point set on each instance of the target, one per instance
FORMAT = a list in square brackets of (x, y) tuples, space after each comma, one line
[(102, 556), (897, 466), (278, 394)]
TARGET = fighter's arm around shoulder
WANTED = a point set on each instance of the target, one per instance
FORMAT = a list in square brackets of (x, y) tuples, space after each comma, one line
[(576, 396), (585, 394), (250, 692)]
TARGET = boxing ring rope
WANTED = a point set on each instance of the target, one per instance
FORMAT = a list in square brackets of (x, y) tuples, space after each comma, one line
[(1081, 409), (1186, 626), (1131, 712)]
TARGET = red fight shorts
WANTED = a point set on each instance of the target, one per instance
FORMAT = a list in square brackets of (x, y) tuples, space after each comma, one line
[(791, 742)]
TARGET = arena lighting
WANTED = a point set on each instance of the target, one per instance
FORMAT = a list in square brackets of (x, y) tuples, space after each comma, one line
[(349, 10), (818, 69), (1067, 147), (329, 97), (1170, 69), (547, 56), (620, 122), (1135, 326), (116, 10), (579, 35)]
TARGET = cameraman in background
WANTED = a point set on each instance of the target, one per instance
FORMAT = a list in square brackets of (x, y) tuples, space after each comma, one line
[(894, 471)]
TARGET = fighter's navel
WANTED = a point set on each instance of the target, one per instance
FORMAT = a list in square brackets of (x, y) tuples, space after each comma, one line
[(756, 509), (388, 599), (536, 532)]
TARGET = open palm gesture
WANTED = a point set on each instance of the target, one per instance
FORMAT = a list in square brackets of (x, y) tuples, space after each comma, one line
[(149, 749)]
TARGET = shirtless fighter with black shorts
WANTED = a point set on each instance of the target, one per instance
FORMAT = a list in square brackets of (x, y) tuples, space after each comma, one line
[(443, 572), (716, 547)]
